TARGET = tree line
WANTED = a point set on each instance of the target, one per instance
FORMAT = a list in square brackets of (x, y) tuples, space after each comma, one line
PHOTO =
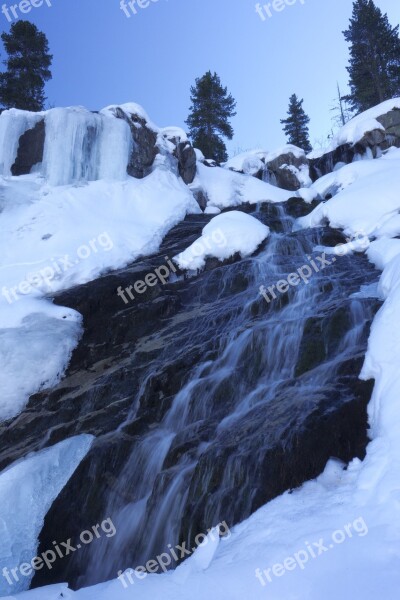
[(374, 76)]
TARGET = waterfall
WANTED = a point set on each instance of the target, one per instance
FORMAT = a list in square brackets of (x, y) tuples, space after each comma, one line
[(258, 381)]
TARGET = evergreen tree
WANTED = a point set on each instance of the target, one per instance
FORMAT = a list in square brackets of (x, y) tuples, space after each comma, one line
[(296, 125), (28, 67), (374, 56), (211, 109)]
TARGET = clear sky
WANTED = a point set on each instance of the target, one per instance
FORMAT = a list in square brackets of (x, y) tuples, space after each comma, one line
[(103, 57)]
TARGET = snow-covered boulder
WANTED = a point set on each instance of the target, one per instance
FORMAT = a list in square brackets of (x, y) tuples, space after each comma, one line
[(286, 168), (366, 135), (183, 151), (223, 188), (224, 236)]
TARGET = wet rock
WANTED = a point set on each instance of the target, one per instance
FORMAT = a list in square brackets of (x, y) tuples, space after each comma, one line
[(30, 149)]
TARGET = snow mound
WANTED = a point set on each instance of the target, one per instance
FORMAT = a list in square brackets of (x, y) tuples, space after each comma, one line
[(222, 237), (225, 188), (27, 489)]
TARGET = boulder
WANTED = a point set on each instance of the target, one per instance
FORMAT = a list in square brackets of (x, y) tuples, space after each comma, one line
[(288, 170)]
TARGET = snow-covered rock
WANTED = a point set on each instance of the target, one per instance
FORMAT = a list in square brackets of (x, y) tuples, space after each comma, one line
[(367, 134), (224, 236)]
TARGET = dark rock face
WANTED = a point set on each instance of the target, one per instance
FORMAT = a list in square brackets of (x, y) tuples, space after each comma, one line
[(144, 144), (297, 207), (30, 149), (326, 163)]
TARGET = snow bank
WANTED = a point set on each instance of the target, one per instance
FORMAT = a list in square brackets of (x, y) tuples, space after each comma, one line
[(226, 188), (222, 237), (357, 127), (27, 490)]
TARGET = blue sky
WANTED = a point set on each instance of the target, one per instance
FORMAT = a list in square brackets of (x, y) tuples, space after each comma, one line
[(102, 57)]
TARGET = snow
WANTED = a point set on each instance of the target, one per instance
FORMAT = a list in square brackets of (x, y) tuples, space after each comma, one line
[(243, 162), (130, 109), (222, 237), (174, 132), (199, 155), (27, 489), (225, 188), (356, 128), (37, 339), (212, 210)]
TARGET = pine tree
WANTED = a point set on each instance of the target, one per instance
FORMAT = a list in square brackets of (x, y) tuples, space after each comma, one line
[(211, 109), (28, 67), (296, 125), (374, 56)]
